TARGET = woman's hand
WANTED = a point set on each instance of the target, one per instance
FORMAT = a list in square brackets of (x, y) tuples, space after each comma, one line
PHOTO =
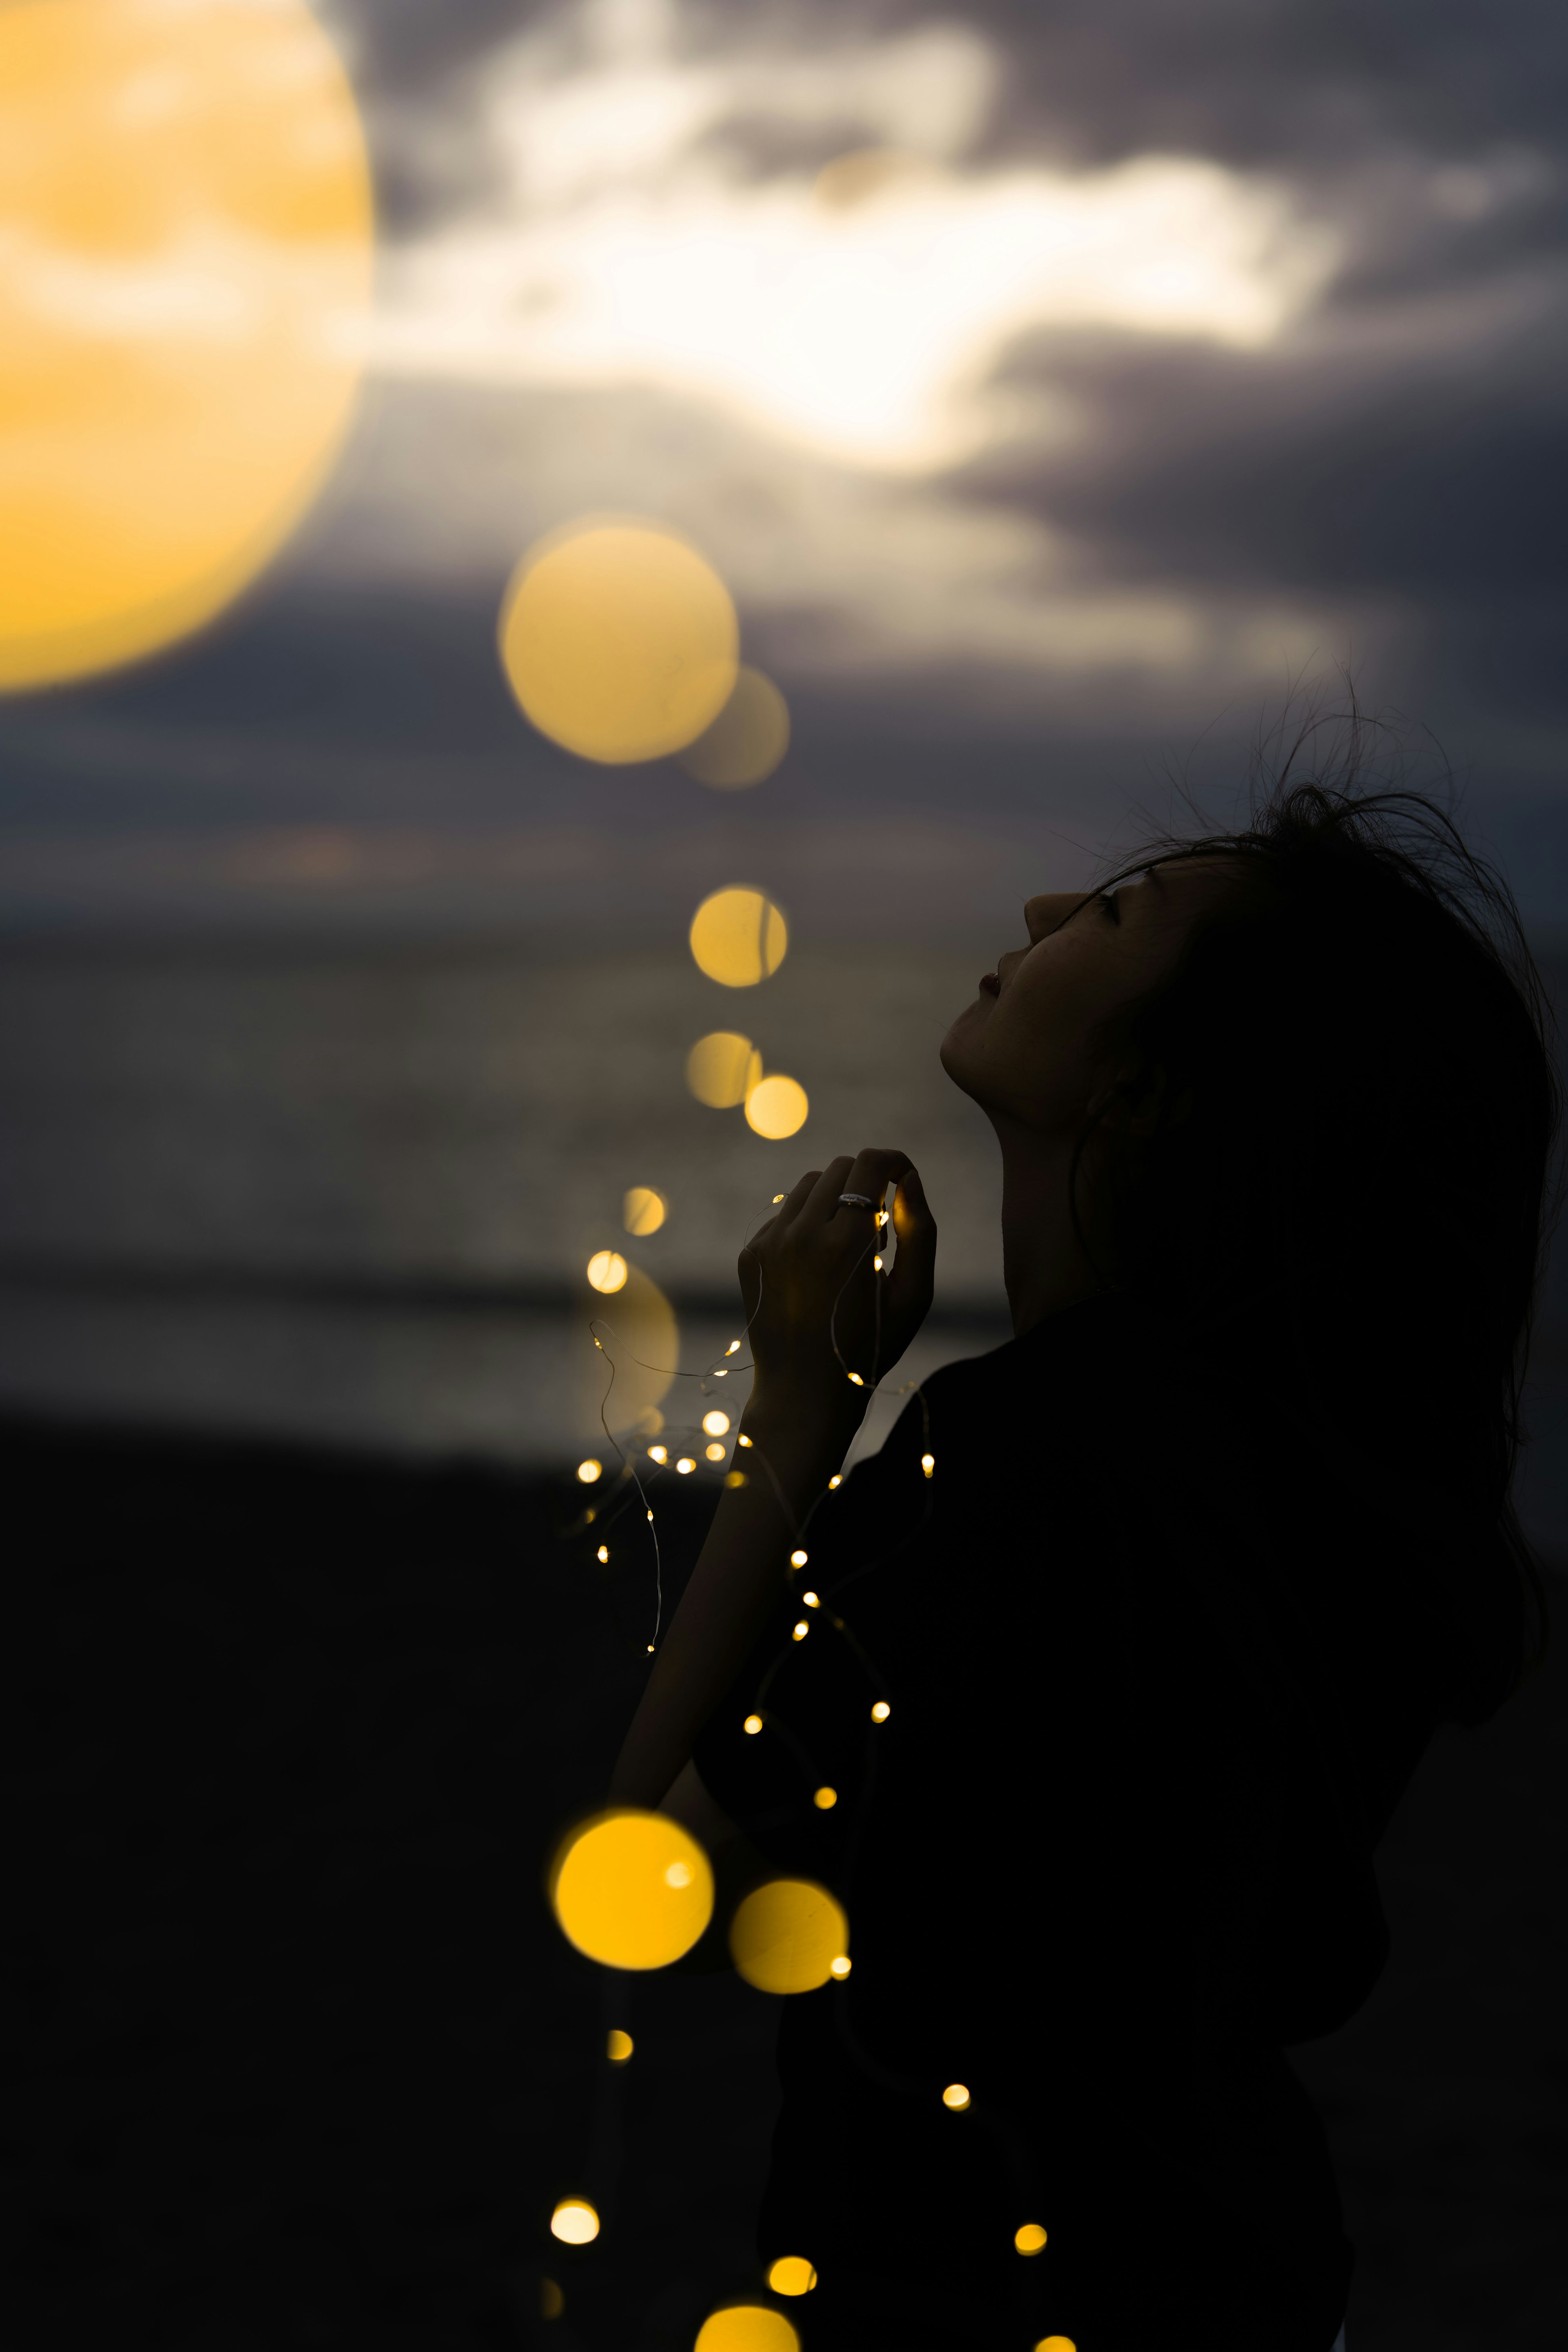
[(825, 1325)]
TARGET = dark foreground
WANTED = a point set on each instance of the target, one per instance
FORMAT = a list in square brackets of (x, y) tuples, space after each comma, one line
[(301, 2061)]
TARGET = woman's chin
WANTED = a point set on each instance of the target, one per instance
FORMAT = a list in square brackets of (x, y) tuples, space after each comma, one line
[(955, 1053)]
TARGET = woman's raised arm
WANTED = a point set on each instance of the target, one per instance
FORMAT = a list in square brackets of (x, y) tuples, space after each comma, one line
[(807, 1282)]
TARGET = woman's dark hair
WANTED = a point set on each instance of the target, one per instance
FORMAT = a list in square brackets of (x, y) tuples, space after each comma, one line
[(1350, 1146)]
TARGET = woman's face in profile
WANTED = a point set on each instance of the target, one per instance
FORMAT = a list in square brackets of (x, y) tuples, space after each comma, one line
[(1028, 1049)]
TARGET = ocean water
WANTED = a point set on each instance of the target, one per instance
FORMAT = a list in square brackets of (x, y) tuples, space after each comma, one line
[(350, 1195), (347, 1194)]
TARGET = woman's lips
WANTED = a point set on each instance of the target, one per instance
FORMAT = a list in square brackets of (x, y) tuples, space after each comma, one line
[(990, 983)]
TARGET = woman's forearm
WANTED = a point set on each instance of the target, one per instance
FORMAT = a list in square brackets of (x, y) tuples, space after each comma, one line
[(796, 1445)]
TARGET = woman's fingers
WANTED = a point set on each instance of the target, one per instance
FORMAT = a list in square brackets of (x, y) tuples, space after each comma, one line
[(783, 1211), (914, 1267), (823, 1198), (869, 1172)]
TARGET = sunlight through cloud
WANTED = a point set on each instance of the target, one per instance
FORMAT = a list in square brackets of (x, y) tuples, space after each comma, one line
[(857, 311)]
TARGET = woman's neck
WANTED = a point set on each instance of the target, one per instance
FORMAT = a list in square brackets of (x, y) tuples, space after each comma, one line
[(1044, 1266)]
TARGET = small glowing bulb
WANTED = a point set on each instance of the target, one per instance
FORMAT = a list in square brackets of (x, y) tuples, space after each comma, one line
[(881, 1216), (650, 1523), (825, 1800), (715, 1452), (743, 1441), (657, 1453), (574, 2222), (881, 1711), (836, 1481), (928, 1463), (798, 1560), (856, 1378), (811, 1601), (618, 2046), (650, 1644), (840, 1967), (685, 1464), (1030, 2239), (876, 1265), (588, 1471), (604, 1551), (733, 1349), (955, 2096), (752, 1723), (716, 1424), (777, 1198), (801, 1631), (678, 1875)]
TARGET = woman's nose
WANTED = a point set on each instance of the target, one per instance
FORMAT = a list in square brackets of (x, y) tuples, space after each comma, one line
[(1052, 907)]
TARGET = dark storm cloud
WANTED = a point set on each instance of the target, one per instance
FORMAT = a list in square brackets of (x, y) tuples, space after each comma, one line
[(1310, 82), (1444, 479), (1306, 83)]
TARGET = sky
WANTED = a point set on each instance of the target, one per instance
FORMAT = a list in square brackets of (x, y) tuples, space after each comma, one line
[(1065, 391)]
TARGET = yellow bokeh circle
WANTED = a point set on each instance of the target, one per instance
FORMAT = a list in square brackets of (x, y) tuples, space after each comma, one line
[(618, 2046), (631, 1889), (1030, 2238), (739, 937), (748, 738), (574, 2222), (777, 1107), (618, 639), (746, 2327), (787, 1935), (185, 280), (722, 1067), (1055, 2344), (642, 1211), (792, 2275), (607, 1271)]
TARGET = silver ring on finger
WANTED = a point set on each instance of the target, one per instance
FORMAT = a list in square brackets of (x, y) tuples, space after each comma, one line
[(855, 1201)]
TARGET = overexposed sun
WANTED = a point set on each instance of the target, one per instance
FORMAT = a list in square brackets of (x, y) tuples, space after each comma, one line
[(186, 256)]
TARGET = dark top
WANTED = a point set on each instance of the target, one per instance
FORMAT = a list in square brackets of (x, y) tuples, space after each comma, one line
[(1158, 1671)]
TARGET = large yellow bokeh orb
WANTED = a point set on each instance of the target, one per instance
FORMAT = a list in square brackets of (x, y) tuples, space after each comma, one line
[(738, 937), (186, 255), (746, 2327), (787, 1935), (631, 1889), (619, 640)]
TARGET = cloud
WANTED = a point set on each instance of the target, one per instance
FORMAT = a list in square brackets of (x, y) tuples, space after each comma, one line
[(768, 283), (858, 310)]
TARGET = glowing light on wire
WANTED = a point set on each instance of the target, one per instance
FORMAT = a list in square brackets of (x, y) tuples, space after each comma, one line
[(574, 2222)]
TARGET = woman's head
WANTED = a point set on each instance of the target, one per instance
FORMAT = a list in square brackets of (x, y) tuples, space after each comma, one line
[(1306, 1070)]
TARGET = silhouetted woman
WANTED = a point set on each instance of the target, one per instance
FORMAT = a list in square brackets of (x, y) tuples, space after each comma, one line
[(1159, 1603)]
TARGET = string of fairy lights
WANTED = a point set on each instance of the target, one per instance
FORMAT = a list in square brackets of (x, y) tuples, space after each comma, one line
[(633, 1889), (621, 644)]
